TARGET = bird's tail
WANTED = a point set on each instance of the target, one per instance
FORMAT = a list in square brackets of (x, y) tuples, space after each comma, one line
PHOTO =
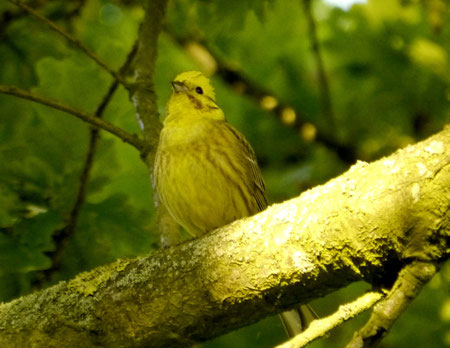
[(298, 319)]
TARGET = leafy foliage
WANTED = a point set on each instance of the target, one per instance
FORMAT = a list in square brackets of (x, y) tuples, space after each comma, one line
[(387, 64)]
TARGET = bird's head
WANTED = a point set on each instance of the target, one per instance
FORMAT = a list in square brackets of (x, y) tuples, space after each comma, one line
[(195, 83), (193, 94)]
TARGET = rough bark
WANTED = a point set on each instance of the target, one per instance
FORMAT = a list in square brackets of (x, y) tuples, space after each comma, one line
[(143, 94), (365, 224)]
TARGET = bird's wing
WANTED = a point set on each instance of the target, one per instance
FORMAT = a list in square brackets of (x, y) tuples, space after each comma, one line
[(253, 173)]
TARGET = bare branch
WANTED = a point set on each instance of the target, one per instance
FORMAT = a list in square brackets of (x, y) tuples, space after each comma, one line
[(320, 327), (89, 118), (143, 95), (77, 43)]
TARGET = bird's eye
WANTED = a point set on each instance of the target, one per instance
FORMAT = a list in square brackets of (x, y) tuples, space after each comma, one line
[(199, 90)]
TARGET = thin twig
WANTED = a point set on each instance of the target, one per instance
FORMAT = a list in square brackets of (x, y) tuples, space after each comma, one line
[(324, 85), (63, 235), (87, 117), (77, 43), (320, 327)]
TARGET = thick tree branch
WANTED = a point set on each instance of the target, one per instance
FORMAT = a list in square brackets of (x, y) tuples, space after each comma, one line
[(89, 118), (366, 224), (77, 43)]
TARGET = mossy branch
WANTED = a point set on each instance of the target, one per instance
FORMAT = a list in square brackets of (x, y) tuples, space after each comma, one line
[(143, 94), (367, 224)]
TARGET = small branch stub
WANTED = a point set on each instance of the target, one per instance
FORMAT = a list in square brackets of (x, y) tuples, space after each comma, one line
[(406, 288)]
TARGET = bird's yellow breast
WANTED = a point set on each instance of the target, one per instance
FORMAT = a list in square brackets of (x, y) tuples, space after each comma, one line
[(205, 172)]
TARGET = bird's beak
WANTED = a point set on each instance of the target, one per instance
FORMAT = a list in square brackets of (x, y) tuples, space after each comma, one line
[(179, 86)]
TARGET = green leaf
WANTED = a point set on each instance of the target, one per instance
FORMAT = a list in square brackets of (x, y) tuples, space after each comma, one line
[(23, 246)]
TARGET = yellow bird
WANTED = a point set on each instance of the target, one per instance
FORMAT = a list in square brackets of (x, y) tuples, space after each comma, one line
[(206, 173)]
